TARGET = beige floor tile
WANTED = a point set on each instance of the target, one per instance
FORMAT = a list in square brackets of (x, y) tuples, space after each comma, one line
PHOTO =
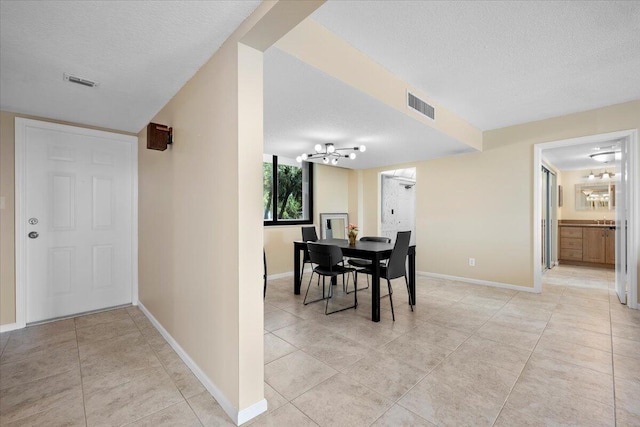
[(510, 418), (279, 319), (275, 348), (102, 317), (587, 357), (17, 350), (579, 336), (480, 351), (519, 323), (188, 384), (209, 411), (68, 413), (431, 333), (21, 346), (132, 400), (336, 351), (302, 333), (625, 316), (484, 301), (596, 304), (463, 317), (572, 321), (398, 416), (627, 368), (366, 333), (558, 407), (447, 293), (594, 313), (522, 309), (29, 399), (287, 415), (448, 404), (341, 401), (538, 301), (40, 366), (509, 336), (623, 330), (274, 399), (627, 401), (178, 415), (554, 374), (625, 347), (103, 331), (37, 332), (4, 338), (415, 352), (625, 419), (388, 376), (296, 373), (590, 293)]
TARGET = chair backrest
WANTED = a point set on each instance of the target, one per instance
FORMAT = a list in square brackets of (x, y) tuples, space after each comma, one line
[(396, 265), (326, 256), (375, 239), (309, 234)]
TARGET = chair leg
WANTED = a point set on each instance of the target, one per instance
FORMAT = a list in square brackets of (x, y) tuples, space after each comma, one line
[(409, 292), (355, 300), (307, 293), (355, 282), (393, 315)]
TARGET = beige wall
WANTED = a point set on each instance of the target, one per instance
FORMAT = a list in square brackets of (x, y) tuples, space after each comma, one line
[(568, 210), (480, 205), (331, 194), (7, 222)]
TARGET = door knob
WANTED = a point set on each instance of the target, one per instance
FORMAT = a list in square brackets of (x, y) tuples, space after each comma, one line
[(33, 235)]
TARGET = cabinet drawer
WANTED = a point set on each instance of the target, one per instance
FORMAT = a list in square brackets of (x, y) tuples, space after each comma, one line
[(571, 254), (571, 232), (571, 243)]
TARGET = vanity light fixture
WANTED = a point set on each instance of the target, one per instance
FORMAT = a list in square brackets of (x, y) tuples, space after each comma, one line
[(591, 175), (330, 154)]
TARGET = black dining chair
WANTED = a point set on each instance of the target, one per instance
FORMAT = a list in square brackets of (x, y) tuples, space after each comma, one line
[(327, 259), (395, 266), (363, 263), (308, 235), (264, 273)]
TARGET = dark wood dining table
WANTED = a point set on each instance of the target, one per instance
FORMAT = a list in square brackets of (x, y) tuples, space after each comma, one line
[(374, 251)]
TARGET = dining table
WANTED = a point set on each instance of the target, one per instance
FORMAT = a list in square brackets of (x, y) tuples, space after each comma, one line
[(373, 251)]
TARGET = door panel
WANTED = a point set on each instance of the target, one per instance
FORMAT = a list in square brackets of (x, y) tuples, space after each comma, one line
[(79, 188)]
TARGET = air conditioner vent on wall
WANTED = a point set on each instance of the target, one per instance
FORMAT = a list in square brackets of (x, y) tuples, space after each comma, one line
[(420, 106)]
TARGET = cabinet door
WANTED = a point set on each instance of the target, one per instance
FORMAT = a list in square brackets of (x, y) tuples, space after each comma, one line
[(610, 247), (593, 244)]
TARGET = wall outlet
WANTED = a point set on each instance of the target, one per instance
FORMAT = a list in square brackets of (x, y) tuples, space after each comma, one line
[(472, 262)]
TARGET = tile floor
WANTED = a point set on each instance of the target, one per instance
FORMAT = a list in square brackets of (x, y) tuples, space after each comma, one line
[(468, 355)]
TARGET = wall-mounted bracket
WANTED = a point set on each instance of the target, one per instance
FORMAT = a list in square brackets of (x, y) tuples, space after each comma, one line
[(159, 136)]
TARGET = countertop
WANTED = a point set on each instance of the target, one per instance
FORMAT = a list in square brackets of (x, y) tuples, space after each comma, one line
[(609, 226)]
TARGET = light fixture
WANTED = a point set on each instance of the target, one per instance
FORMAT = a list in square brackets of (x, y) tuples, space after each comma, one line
[(605, 157), (605, 175), (591, 175), (331, 153)]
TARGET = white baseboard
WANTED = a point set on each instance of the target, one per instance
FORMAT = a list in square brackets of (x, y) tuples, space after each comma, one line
[(286, 274), (238, 417), (10, 327), (477, 281)]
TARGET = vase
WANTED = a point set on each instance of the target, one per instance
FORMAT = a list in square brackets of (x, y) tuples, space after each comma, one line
[(352, 238)]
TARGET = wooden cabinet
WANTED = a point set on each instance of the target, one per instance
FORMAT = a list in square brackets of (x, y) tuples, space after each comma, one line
[(610, 246), (587, 245), (593, 245)]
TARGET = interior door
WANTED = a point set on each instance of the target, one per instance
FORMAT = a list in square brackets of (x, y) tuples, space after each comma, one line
[(78, 215), (622, 215)]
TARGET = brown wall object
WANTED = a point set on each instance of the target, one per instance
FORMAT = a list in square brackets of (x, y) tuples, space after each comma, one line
[(159, 136)]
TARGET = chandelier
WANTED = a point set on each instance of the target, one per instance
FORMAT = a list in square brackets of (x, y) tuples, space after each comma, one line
[(331, 154)]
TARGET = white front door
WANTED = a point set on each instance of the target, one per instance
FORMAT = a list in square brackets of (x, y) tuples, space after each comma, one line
[(78, 218)]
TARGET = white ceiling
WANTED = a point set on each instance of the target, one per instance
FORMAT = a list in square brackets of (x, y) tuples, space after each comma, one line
[(141, 53), (501, 63), (576, 157), (304, 106), (493, 63)]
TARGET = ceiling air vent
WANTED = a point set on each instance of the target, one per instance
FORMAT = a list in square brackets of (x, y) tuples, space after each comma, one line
[(79, 80), (420, 106)]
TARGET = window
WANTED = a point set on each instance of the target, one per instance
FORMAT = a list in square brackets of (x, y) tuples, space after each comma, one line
[(287, 191)]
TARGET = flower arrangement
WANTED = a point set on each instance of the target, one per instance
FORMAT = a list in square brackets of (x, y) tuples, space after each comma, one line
[(352, 232)]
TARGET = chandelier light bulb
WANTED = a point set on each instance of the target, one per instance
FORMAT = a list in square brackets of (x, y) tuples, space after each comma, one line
[(299, 159), (325, 160), (334, 161), (591, 175), (305, 156), (352, 156), (362, 148), (318, 148), (606, 175), (331, 148)]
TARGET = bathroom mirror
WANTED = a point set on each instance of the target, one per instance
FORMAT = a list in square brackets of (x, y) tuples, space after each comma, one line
[(333, 225), (595, 196)]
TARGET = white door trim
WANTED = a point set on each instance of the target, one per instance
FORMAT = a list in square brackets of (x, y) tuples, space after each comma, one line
[(634, 207), (21, 125)]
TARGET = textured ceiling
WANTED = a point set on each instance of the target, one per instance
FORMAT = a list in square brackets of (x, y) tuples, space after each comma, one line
[(304, 106), (498, 63), (141, 53), (576, 157)]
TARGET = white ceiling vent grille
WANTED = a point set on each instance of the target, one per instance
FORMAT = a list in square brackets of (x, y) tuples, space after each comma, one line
[(79, 80), (420, 106)]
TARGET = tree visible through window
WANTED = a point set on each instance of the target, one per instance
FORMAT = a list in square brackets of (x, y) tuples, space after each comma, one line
[(287, 193)]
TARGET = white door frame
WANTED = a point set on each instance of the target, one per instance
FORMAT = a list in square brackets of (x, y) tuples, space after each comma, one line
[(21, 126), (633, 204)]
